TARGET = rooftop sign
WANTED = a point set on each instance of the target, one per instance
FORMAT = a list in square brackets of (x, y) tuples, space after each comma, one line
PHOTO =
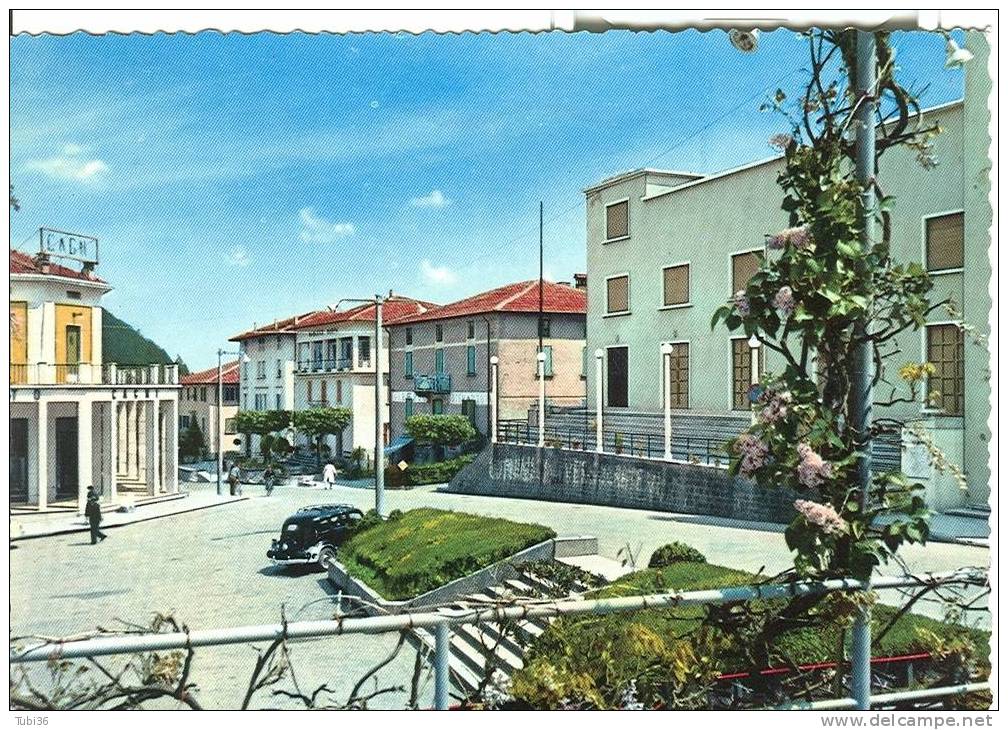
[(75, 246)]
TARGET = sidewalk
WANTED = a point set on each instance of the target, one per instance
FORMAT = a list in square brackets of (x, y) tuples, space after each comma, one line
[(960, 529), (26, 526)]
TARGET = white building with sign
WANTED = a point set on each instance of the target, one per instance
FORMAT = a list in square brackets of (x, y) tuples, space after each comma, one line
[(77, 421)]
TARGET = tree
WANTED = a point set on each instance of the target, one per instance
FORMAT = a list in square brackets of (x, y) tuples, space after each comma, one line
[(317, 423), (440, 430), (192, 444), (183, 369)]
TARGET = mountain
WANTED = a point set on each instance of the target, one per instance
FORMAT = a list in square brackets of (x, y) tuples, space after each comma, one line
[(123, 344)]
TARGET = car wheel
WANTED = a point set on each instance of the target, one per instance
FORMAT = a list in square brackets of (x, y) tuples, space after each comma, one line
[(326, 555)]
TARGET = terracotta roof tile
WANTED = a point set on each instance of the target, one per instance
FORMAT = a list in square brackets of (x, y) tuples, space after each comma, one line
[(229, 375), (393, 309), (22, 263), (273, 328), (521, 296)]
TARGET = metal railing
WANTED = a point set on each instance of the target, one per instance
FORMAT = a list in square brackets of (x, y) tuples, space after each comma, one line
[(82, 373), (693, 449), (442, 623), (436, 383)]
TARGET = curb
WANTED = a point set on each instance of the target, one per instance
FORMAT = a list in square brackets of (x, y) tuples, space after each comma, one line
[(72, 530)]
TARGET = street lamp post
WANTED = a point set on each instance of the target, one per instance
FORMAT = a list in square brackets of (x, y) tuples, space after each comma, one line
[(666, 353), (754, 345), (379, 454), (220, 407)]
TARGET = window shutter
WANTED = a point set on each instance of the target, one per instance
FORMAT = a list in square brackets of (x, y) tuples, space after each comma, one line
[(677, 285), (618, 294), (945, 242), (744, 267), (617, 220)]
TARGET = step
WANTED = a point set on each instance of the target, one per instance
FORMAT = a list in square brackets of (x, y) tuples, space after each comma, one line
[(977, 513), (509, 640), (489, 642), (519, 586), (463, 678)]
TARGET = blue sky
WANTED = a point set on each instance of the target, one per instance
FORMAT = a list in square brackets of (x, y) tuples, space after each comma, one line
[(236, 179)]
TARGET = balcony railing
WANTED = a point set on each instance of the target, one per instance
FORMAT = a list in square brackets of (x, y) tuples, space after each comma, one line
[(436, 383), (83, 373)]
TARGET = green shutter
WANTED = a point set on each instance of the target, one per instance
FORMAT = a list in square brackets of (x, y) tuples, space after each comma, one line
[(408, 365), (548, 365), (471, 359), (439, 361), (409, 408)]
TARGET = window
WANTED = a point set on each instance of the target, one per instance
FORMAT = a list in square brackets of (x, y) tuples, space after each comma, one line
[(304, 353), (548, 361), (437, 406), (279, 368), (245, 401), (261, 369), (346, 353), (943, 240), (675, 281), (278, 403), (945, 352), (469, 410), (438, 333), (185, 421), (309, 391), (245, 370), (229, 425), (73, 295), (472, 329), (409, 408), (409, 335), (584, 361), (618, 220), (203, 394), (408, 365), (471, 360), (332, 354), (278, 342), (364, 351), (339, 391), (316, 355), (544, 327), (230, 394), (742, 372), (617, 382), (439, 362), (743, 266), (679, 375), (618, 294), (325, 393)]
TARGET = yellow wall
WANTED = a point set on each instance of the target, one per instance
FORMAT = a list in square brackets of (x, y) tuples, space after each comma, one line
[(69, 314), (18, 341)]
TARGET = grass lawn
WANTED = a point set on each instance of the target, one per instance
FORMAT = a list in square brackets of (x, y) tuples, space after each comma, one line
[(590, 655), (422, 549)]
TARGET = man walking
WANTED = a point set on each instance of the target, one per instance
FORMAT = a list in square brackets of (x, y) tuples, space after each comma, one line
[(93, 513), (329, 475), (234, 479)]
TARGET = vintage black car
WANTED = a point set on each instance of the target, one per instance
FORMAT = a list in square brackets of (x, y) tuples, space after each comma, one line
[(312, 534)]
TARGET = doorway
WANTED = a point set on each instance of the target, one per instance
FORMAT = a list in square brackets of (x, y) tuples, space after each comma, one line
[(616, 378), (66, 458), (73, 352), (19, 460)]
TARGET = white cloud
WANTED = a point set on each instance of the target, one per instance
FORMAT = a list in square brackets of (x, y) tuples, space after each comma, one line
[(316, 229), (239, 256), (435, 199), (72, 164), (437, 274)]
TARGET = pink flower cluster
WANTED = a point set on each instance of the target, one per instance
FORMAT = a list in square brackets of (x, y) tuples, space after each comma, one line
[(742, 302), (781, 141), (822, 516), (799, 237), (753, 452), (775, 405), (812, 468), (784, 300)]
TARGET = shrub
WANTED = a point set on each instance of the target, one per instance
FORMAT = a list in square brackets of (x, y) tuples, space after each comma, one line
[(438, 472), (440, 429), (675, 552)]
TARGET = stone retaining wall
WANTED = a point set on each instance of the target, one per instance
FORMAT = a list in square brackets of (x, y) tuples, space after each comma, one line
[(561, 475)]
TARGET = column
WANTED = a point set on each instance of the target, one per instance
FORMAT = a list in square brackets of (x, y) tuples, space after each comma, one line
[(598, 401), (170, 476), (120, 419), (129, 435), (113, 430), (151, 441), (85, 435), (541, 367), (140, 424), (42, 454)]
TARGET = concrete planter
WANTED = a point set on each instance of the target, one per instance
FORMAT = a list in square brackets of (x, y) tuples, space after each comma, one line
[(559, 547)]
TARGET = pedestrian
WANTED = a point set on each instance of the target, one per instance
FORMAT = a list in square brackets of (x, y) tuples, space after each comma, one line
[(269, 479), (329, 475), (93, 513), (234, 479)]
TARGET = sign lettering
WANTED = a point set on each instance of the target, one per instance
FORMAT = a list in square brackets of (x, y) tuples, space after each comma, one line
[(68, 245)]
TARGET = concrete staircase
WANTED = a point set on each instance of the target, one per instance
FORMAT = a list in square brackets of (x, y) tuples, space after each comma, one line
[(489, 648)]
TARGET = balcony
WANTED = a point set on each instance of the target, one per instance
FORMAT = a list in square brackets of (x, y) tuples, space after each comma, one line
[(432, 384), (84, 374)]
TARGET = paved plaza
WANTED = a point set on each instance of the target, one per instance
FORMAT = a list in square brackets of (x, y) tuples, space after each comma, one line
[(209, 568)]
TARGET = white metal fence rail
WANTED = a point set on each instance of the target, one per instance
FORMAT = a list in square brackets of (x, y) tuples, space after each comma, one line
[(441, 625)]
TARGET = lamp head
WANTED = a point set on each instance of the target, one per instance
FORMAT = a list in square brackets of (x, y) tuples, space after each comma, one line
[(494, 360), (754, 342), (744, 40)]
